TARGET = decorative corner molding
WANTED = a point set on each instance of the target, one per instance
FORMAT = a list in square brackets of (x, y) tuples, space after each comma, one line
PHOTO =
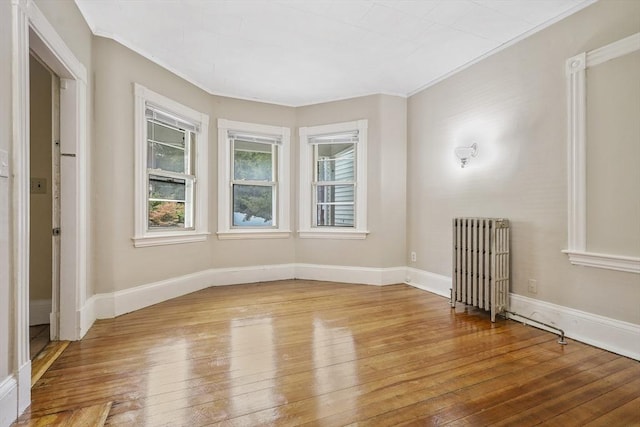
[(576, 64)]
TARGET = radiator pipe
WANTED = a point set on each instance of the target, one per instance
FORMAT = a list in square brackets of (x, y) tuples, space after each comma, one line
[(560, 331)]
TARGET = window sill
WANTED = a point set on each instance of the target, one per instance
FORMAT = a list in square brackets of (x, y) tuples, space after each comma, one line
[(253, 234), (607, 261), (161, 239), (333, 234)]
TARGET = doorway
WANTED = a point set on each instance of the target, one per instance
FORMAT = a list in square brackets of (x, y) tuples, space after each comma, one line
[(44, 213)]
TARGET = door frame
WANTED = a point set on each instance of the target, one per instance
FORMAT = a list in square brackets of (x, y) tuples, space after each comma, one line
[(32, 31)]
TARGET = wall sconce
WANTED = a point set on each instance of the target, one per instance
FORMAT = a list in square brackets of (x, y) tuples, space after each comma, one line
[(464, 154)]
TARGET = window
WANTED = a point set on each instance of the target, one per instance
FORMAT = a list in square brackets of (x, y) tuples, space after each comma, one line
[(171, 179), (253, 180), (333, 193)]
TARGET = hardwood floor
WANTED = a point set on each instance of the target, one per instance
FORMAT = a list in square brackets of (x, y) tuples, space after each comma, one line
[(300, 352), (38, 339)]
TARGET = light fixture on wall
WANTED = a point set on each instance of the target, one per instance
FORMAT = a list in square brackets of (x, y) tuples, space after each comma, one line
[(464, 154)]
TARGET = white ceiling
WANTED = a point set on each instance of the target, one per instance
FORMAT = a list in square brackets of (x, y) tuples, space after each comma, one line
[(299, 52)]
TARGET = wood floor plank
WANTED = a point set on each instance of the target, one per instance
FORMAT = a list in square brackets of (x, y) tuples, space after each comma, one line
[(91, 416), (299, 352), (45, 359)]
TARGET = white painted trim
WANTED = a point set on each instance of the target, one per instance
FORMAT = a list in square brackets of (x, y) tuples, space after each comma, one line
[(603, 332), (283, 182), (613, 50), (49, 46), (20, 191), (162, 239), (24, 386), (434, 283), (349, 274), (39, 312), (504, 46), (125, 301), (606, 261), (305, 208), (333, 234), (8, 401), (142, 236), (576, 71), (254, 234)]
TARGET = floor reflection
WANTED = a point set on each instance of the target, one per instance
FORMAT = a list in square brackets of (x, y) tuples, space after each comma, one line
[(254, 359), (335, 362), (159, 377)]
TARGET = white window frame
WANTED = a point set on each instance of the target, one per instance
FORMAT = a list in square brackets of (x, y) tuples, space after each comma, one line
[(143, 235), (576, 70), (306, 226), (281, 228)]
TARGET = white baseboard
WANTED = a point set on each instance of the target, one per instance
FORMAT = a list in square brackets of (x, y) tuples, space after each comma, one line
[(39, 312), (434, 283), (120, 302), (347, 274), (8, 401), (609, 334), (603, 332), (24, 387), (109, 305)]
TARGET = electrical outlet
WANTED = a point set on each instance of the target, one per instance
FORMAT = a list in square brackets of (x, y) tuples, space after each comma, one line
[(38, 186), (413, 257), (533, 286)]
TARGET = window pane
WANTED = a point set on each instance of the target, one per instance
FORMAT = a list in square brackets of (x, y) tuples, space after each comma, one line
[(164, 188), (335, 193), (335, 215), (166, 148), (336, 162), (169, 135), (166, 214), (252, 161), (252, 205)]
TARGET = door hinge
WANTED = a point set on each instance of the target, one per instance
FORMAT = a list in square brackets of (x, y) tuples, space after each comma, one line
[(56, 231)]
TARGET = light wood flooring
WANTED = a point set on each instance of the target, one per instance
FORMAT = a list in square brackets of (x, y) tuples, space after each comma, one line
[(301, 352)]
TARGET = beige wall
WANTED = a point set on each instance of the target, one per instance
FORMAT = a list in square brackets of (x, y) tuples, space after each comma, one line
[(513, 104), (40, 163), (613, 156), (6, 293)]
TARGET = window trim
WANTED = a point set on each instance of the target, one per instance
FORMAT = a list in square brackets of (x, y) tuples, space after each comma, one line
[(226, 230), (306, 228), (144, 237)]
